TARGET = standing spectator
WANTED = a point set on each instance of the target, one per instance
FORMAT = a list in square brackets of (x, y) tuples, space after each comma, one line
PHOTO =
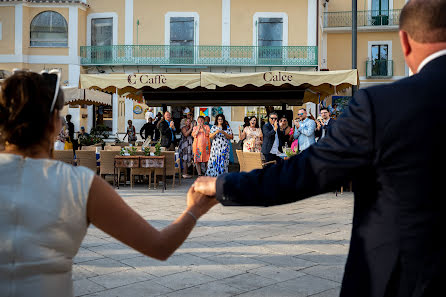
[(59, 144), (177, 113), (325, 123), (270, 146), (158, 118), (70, 127), (220, 134), (284, 133), (201, 144), (148, 129), (167, 130), (207, 121), (252, 136), (189, 116), (149, 114), (241, 129), (185, 147), (131, 132), (304, 130)]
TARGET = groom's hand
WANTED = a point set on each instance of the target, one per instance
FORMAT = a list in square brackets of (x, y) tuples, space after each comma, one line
[(199, 203), (206, 185)]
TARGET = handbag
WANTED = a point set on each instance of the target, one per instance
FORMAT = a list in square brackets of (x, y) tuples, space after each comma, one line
[(68, 145)]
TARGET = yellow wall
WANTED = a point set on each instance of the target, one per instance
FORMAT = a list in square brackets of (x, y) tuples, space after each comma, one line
[(339, 51), (151, 18), (7, 20), (117, 6), (242, 13), (82, 27)]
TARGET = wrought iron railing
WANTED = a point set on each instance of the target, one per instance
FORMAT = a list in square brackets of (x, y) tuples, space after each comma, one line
[(379, 68), (201, 55), (365, 18)]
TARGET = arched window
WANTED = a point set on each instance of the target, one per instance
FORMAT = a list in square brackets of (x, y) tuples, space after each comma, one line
[(49, 29)]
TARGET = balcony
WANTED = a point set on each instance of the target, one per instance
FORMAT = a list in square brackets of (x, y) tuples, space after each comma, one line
[(199, 56), (367, 18), (379, 69)]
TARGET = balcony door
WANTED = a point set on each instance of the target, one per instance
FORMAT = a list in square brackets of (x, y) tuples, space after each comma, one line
[(270, 41), (182, 39), (380, 56), (102, 35), (380, 12)]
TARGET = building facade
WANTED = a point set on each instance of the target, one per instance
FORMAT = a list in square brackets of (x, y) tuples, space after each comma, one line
[(193, 36)]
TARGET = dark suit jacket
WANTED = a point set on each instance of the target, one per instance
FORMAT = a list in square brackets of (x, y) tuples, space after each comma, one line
[(166, 133), (269, 135), (385, 143), (148, 129), (326, 127)]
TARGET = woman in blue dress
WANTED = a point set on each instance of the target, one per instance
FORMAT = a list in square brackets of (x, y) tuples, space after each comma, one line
[(221, 134)]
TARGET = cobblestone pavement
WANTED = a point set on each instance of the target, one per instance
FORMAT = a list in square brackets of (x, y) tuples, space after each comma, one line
[(290, 250)]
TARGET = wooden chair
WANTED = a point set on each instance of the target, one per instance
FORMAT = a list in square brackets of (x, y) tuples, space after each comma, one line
[(64, 156), (112, 148), (240, 160), (107, 165), (171, 170), (89, 148), (253, 161), (87, 159)]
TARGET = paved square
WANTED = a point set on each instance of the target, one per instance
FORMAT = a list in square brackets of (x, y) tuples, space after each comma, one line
[(290, 250)]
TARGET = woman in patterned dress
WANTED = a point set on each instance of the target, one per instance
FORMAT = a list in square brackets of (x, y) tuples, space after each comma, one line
[(202, 144), (185, 147), (221, 133), (252, 136)]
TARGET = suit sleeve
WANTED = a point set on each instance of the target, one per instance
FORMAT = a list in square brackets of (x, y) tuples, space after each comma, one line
[(163, 127), (268, 133), (347, 148)]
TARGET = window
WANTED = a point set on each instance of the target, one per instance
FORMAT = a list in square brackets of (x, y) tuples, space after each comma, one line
[(0, 30), (380, 12), (270, 39), (49, 29), (102, 35), (182, 40), (380, 60), (102, 31)]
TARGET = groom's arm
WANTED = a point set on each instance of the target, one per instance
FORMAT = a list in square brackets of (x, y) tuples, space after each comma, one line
[(347, 149)]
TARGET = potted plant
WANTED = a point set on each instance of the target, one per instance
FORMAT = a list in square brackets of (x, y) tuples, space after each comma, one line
[(158, 148), (131, 150)]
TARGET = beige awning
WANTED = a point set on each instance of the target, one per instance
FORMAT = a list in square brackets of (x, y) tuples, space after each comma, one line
[(135, 81), (82, 96), (318, 85)]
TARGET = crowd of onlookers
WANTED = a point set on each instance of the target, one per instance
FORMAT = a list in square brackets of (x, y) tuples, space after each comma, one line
[(207, 147)]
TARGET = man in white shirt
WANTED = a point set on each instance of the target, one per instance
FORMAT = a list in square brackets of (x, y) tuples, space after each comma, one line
[(149, 114)]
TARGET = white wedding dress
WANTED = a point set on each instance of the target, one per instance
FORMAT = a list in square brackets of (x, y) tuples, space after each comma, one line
[(43, 220)]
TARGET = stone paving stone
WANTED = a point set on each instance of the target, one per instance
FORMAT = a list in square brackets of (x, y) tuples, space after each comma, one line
[(90, 241), (141, 289), (272, 291), (279, 274), (84, 255), (240, 262), (115, 251), (183, 280), (81, 273), (331, 272), (214, 289), (104, 266), (324, 259), (309, 285), (248, 281), (286, 261), (85, 286), (155, 267), (121, 278), (329, 293)]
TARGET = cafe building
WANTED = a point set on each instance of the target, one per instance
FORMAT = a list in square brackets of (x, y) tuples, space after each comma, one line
[(238, 57)]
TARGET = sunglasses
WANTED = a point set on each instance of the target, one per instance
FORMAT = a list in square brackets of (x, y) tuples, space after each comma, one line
[(273, 118), (300, 114), (53, 79)]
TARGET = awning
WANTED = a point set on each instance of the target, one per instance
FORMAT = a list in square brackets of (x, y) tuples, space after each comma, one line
[(317, 85), (294, 87), (74, 95)]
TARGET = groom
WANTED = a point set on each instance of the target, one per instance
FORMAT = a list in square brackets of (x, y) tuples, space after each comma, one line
[(395, 247)]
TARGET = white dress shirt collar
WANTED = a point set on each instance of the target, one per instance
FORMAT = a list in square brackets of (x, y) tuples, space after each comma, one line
[(431, 58)]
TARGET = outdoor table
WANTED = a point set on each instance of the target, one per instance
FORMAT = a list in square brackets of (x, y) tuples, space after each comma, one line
[(124, 162), (154, 162)]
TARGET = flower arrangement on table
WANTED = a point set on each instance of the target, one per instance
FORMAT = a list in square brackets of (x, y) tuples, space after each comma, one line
[(129, 151), (146, 151)]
